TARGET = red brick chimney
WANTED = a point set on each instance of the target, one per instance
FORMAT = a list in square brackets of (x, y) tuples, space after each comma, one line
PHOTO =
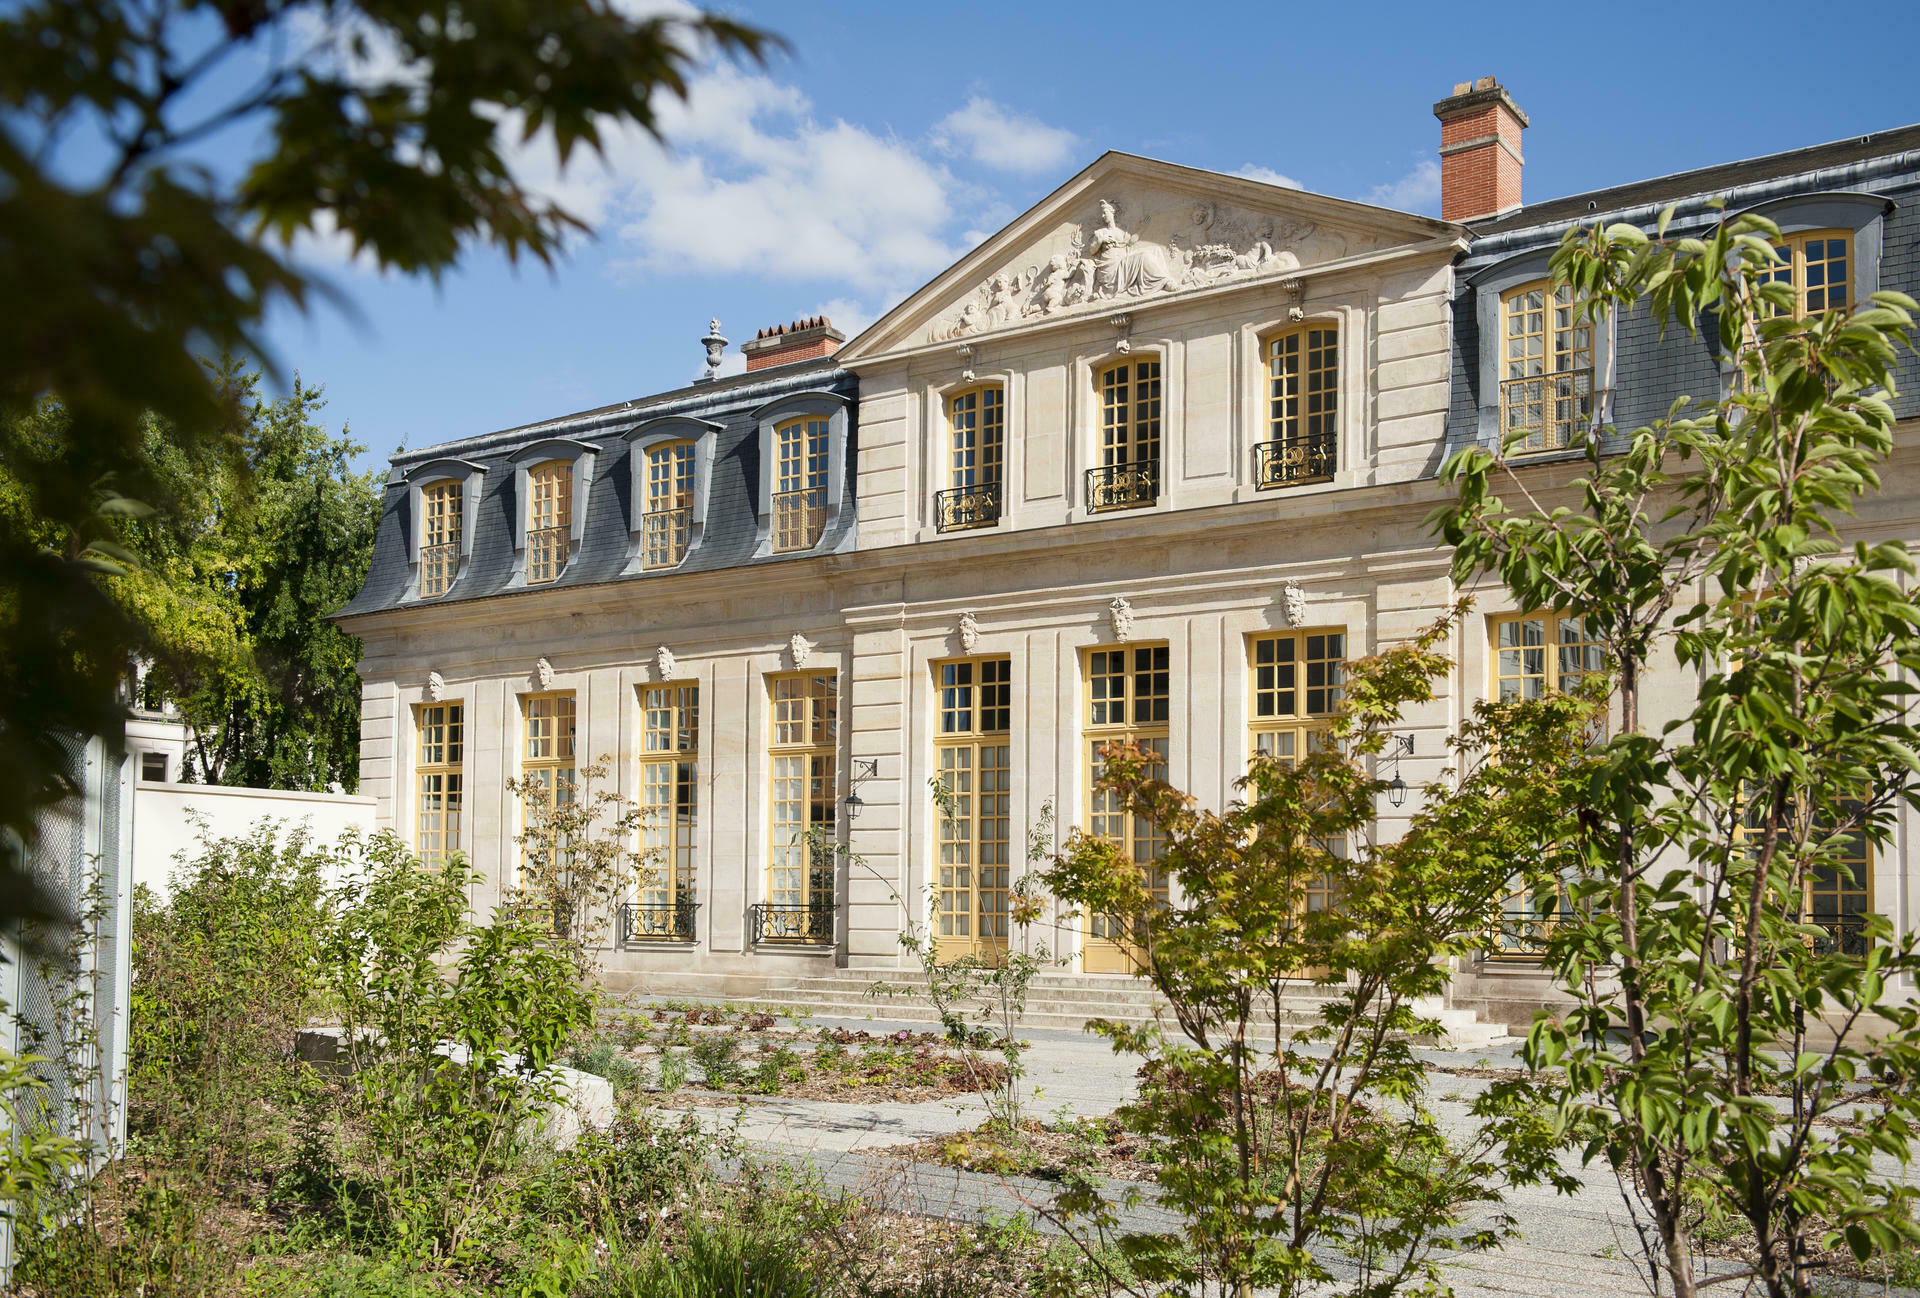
[(1480, 158), (803, 340)]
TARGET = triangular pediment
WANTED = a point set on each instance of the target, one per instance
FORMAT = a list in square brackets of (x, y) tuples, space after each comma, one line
[(1130, 231)]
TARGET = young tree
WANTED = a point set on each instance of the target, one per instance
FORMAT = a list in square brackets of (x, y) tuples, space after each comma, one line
[(1723, 1019), (129, 258), (1272, 1144)]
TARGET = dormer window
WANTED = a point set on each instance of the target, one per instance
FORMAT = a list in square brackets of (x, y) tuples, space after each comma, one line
[(668, 524), (549, 520), (1546, 392), (800, 482), (1818, 268), (1129, 471), (976, 430), (442, 517), (1303, 408)]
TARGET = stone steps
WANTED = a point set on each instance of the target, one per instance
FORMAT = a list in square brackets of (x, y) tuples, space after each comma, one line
[(1062, 1002)]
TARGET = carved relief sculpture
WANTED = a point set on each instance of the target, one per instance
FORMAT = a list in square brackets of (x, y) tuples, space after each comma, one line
[(1122, 614), (663, 663), (1293, 604), (800, 649), (543, 673), (969, 632), (436, 686), (1116, 264)]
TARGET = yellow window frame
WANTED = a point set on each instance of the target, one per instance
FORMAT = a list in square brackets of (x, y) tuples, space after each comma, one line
[(667, 523), (1131, 406), (973, 760), (1127, 697), (1818, 266), (801, 449), (976, 436), (1303, 401), (440, 523), (803, 754), (549, 520), (1546, 367), (439, 778), (669, 792)]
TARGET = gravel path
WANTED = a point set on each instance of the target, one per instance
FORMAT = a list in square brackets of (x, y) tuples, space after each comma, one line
[(1576, 1246)]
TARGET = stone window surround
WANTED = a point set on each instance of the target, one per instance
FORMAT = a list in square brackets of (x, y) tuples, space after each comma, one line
[(1490, 288), (1083, 414), (406, 757), (1350, 322), (472, 479), (580, 456), (939, 461), (837, 410), (656, 432)]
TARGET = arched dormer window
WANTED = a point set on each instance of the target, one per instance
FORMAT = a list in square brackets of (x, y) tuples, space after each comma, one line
[(976, 459), (552, 482), (1829, 247), (671, 473), (1128, 474), (443, 499), (803, 459), (667, 528), (1546, 368), (549, 520), (800, 482)]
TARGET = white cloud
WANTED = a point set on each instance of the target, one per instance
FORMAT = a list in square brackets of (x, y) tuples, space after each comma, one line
[(850, 315), (1417, 191), (996, 136), (1268, 176)]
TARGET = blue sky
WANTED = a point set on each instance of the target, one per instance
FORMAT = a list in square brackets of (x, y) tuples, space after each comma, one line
[(897, 135)]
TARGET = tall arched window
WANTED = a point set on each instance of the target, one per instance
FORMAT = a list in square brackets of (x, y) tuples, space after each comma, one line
[(1129, 471), (1546, 388), (668, 523), (800, 482), (441, 508), (1303, 408), (549, 519), (976, 456)]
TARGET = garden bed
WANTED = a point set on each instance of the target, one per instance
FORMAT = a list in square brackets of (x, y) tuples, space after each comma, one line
[(1047, 1151)]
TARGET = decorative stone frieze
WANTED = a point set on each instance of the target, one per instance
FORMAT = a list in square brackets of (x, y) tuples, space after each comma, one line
[(1114, 264)]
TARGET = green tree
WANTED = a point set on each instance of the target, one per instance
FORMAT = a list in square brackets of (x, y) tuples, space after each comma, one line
[(1725, 1032), (128, 258), (1275, 1147)]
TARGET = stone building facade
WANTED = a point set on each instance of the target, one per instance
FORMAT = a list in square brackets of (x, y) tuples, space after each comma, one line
[(1152, 461)]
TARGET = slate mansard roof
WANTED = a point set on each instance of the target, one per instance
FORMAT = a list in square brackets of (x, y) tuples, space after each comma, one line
[(734, 511), (1880, 172)]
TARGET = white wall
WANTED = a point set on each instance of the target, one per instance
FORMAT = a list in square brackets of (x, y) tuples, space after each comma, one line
[(164, 817)]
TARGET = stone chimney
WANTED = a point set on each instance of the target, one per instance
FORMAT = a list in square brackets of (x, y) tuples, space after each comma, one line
[(803, 340), (1480, 158)]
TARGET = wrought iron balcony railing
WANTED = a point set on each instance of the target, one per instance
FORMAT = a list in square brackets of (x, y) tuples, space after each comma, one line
[(1548, 408), (438, 564), (639, 925), (1845, 934), (665, 533), (959, 508), (795, 925), (1293, 461), (546, 553), (1123, 486), (798, 518)]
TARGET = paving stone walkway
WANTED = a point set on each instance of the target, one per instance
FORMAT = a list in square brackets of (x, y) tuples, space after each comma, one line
[(1576, 1246)]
